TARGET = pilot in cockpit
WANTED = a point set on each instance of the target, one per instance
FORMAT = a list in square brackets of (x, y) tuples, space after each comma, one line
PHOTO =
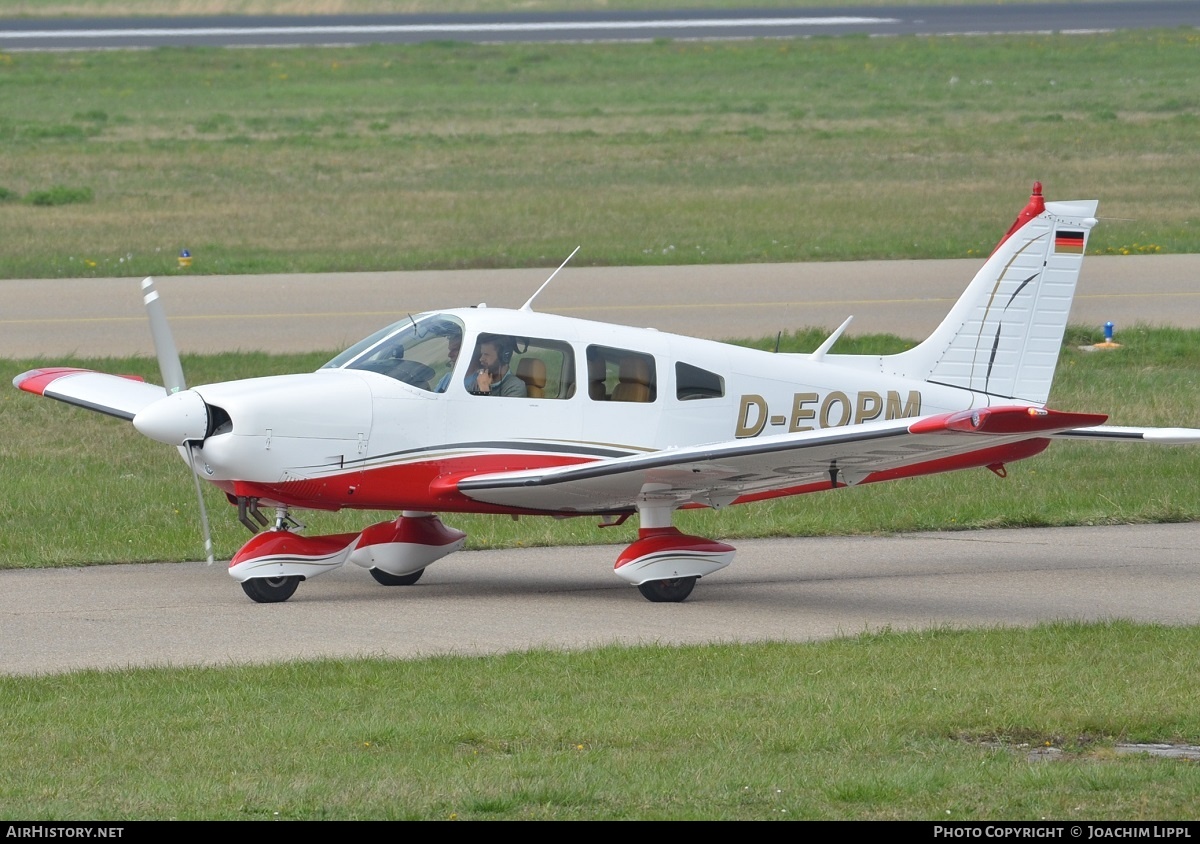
[(454, 347), (493, 377)]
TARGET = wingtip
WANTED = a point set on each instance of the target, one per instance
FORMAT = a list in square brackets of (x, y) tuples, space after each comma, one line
[(37, 380), (1172, 436)]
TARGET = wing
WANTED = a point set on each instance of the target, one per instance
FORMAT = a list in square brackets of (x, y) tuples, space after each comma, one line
[(787, 464), (116, 395)]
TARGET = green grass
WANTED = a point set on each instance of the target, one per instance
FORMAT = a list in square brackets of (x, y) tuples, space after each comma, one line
[(59, 195), (935, 725), (82, 488), (453, 155)]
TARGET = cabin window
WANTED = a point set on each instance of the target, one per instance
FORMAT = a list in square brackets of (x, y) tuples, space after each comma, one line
[(419, 351), (621, 375), (692, 382), (537, 368)]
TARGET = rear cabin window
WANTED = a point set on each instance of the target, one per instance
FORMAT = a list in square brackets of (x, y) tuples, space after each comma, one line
[(692, 382), (621, 375)]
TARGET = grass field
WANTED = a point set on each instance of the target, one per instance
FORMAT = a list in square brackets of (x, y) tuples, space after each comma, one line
[(453, 155), (938, 725)]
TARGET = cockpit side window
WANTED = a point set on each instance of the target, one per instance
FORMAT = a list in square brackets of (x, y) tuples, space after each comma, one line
[(419, 351), (544, 368)]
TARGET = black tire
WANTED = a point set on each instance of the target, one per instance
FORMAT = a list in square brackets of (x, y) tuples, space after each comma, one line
[(667, 591), (397, 579), (270, 590)]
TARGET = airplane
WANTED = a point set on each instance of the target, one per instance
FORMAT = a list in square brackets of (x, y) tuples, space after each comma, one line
[(562, 417)]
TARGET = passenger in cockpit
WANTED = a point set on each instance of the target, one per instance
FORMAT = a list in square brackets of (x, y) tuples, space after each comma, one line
[(494, 378)]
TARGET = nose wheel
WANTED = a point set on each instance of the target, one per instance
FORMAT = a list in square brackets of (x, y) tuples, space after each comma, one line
[(667, 591), (270, 590), (387, 579)]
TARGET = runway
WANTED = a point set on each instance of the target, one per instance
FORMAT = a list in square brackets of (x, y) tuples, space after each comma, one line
[(487, 601), (625, 25)]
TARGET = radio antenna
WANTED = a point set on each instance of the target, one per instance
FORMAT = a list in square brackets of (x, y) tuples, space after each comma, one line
[(528, 306)]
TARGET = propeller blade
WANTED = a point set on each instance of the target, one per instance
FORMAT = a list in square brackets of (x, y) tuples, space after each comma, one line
[(172, 375), (208, 544), (164, 341)]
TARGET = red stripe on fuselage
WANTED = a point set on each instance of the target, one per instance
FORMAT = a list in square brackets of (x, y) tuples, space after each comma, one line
[(425, 485), (432, 485)]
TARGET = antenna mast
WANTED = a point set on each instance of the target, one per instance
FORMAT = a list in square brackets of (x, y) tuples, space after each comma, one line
[(528, 306)]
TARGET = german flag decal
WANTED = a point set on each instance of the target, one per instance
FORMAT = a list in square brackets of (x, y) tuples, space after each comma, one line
[(1068, 242)]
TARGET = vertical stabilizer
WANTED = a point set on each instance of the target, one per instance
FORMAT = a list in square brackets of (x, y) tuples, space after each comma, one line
[(1003, 335)]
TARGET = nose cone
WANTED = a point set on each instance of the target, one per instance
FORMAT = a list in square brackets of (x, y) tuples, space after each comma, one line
[(173, 420)]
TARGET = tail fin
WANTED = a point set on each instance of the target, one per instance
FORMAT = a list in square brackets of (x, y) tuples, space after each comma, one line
[(1003, 335)]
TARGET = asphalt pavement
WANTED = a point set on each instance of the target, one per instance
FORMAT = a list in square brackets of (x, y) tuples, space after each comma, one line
[(477, 602)]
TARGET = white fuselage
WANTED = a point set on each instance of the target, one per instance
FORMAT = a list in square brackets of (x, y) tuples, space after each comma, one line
[(356, 437)]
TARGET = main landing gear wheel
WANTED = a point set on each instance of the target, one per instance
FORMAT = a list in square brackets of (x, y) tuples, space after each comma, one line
[(397, 579), (667, 591), (270, 590)]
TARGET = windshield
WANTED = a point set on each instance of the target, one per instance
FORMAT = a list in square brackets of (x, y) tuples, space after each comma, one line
[(419, 351)]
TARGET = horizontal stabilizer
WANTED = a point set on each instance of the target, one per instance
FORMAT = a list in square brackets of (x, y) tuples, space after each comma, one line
[(116, 395), (1114, 433), (1005, 420)]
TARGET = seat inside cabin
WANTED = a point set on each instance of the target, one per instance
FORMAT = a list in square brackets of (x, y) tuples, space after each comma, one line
[(633, 380), (533, 372)]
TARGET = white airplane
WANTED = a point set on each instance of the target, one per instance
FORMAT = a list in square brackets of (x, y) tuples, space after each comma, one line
[(563, 417)]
